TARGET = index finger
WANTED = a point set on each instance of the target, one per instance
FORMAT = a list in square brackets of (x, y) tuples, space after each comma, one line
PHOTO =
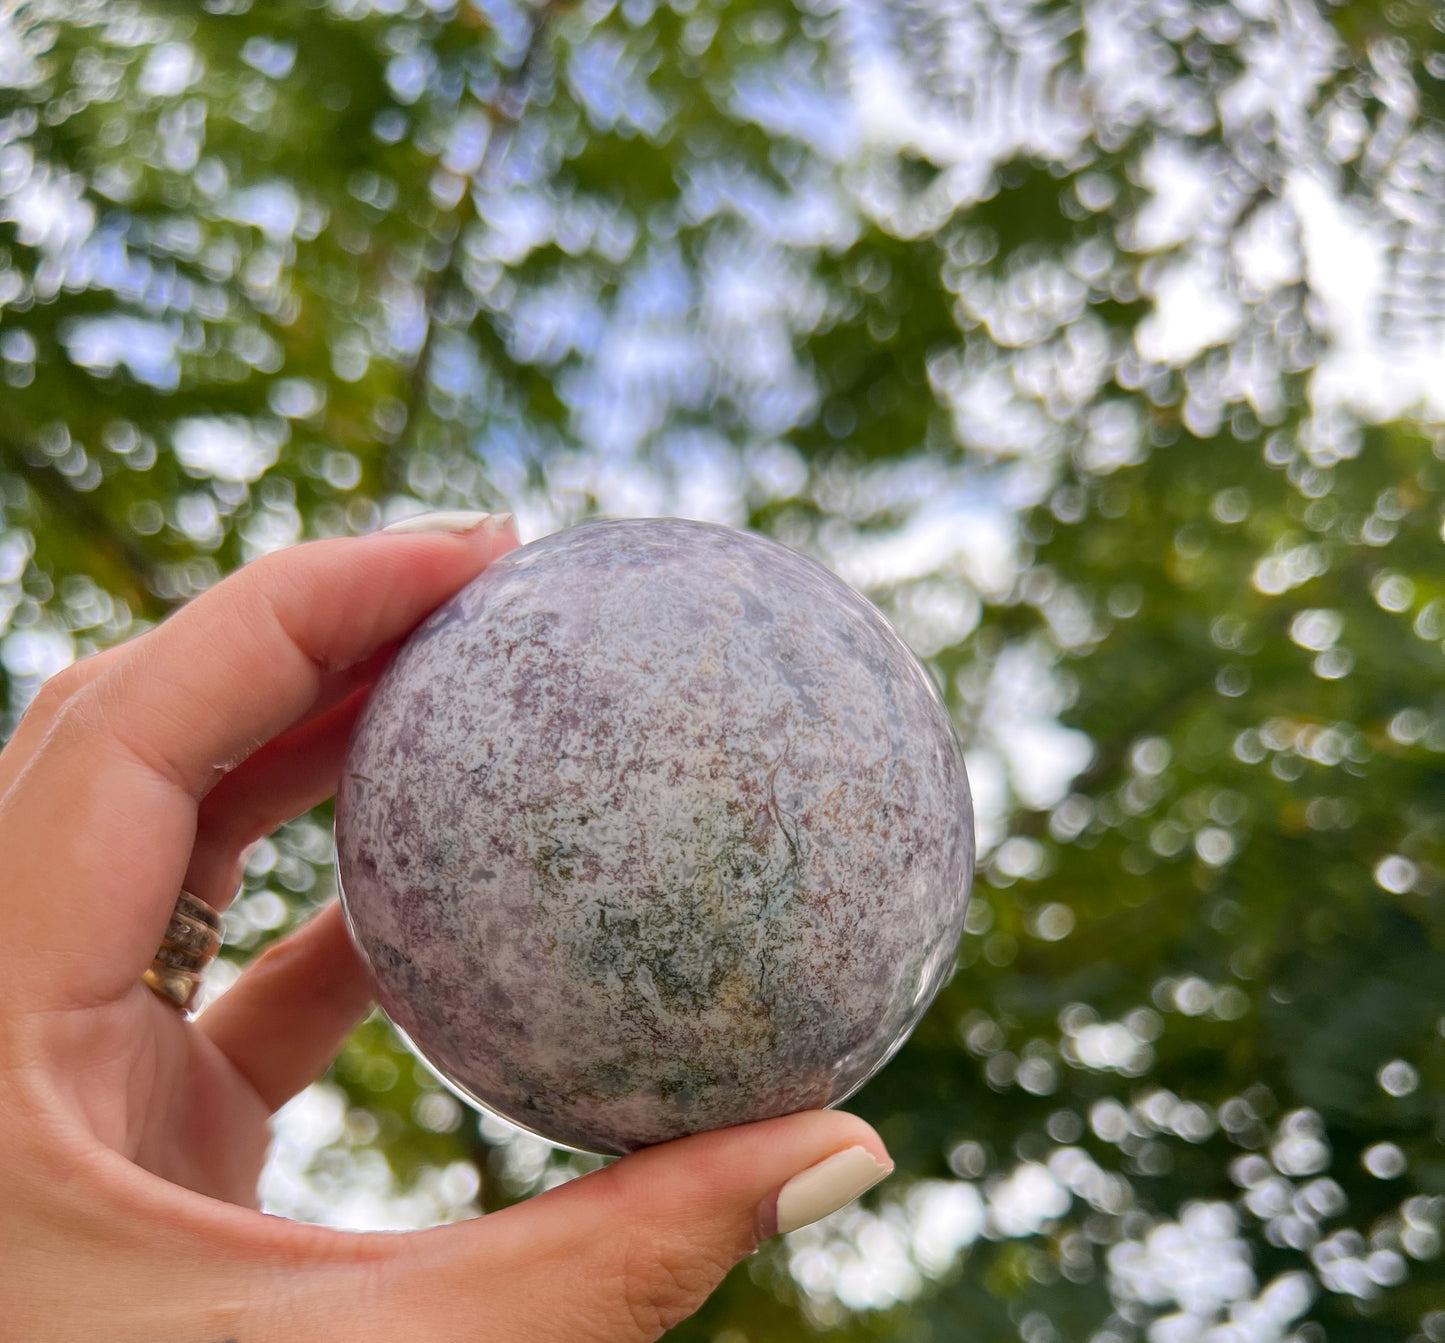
[(96, 832)]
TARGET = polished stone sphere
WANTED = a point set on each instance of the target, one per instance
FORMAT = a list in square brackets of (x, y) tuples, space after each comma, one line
[(653, 828)]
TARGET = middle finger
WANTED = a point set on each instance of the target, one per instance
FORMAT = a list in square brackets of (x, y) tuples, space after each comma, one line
[(282, 780)]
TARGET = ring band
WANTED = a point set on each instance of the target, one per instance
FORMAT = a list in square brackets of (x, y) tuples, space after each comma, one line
[(193, 937)]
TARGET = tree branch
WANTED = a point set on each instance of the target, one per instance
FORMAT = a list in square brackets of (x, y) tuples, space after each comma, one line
[(504, 112), (88, 521)]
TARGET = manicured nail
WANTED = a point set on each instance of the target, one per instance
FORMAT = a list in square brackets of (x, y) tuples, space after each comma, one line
[(826, 1187), (455, 521)]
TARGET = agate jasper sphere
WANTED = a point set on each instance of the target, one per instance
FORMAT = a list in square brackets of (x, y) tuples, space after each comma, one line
[(655, 827)]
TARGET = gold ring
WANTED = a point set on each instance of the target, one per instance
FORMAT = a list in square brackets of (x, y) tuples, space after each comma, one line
[(193, 937)]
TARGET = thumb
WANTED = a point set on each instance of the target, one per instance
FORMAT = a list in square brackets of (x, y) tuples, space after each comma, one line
[(623, 1254)]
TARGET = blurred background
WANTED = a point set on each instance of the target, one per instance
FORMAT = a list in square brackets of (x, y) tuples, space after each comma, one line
[(1102, 344)]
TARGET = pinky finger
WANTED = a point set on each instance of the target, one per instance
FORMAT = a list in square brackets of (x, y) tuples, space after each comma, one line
[(285, 1018)]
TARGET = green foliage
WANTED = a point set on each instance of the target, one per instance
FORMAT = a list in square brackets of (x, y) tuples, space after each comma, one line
[(908, 286)]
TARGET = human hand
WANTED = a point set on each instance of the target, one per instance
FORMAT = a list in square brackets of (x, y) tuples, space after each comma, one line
[(129, 1135)]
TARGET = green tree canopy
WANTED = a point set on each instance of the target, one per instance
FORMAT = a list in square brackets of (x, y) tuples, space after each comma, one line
[(1098, 341)]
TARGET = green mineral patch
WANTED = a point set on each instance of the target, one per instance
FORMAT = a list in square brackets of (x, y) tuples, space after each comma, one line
[(682, 926), (681, 1081)]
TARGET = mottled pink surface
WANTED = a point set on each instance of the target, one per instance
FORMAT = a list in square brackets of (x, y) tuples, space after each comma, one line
[(655, 827)]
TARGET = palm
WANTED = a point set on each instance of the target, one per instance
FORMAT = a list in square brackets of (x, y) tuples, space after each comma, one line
[(150, 1085)]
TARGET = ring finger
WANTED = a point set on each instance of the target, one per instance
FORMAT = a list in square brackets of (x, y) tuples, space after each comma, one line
[(284, 779)]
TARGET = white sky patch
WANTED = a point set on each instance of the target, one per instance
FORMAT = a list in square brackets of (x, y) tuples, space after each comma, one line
[(947, 535), (169, 69), (19, 68), (866, 1260), (888, 114), (1284, 66), (1192, 311), (1345, 254), (786, 102), (936, 613), (1120, 77), (146, 349), (706, 478), (947, 1217), (989, 415), (46, 205), (1027, 1200), (36, 653), (606, 80), (271, 58), (1109, 1045), (1266, 249), (1115, 438), (988, 781), (1345, 261), (227, 449), (552, 321), (1199, 1263), (1019, 722), (1043, 759), (1182, 183), (272, 207)]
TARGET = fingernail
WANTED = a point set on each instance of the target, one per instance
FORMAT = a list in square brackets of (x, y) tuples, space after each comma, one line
[(826, 1187), (456, 520)]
